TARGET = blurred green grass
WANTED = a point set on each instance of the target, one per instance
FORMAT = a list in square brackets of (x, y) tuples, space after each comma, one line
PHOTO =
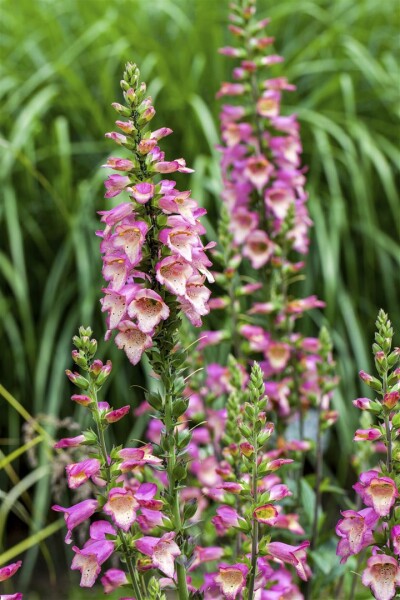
[(60, 68)]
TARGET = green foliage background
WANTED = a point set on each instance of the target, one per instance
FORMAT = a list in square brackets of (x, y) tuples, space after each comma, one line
[(60, 68)]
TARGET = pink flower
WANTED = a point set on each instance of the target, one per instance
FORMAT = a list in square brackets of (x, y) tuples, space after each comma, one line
[(362, 435), (266, 513), (132, 340), (137, 457), (70, 442), (173, 272), (131, 238), (77, 514), (258, 248), (232, 579), (162, 551), (356, 532), (149, 309), (395, 537), (9, 570), (89, 560), (121, 506), (378, 492), (258, 170), (362, 403), (382, 575), (79, 473), (115, 184), (116, 415), (293, 555), (113, 579), (143, 192)]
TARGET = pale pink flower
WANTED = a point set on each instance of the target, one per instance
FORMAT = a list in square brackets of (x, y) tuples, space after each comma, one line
[(378, 492), (382, 575), (89, 560), (258, 248), (132, 340), (162, 551), (130, 238), (173, 272), (232, 579), (74, 442), (148, 308), (356, 532), (113, 579), (121, 506)]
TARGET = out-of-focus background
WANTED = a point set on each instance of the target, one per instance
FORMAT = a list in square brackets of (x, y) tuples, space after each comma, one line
[(61, 63)]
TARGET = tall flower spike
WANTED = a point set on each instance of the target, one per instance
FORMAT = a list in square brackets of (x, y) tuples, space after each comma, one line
[(153, 258)]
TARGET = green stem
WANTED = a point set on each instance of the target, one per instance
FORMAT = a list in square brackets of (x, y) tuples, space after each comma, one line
[(103, 448), (254, 531), (183, 593), (389, 444)]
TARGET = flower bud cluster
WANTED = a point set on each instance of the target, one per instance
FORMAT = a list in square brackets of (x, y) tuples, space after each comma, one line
[(376, 527), (153, 259)]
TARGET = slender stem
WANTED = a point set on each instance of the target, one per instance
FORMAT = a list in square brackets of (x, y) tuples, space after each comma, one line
[(318, 477), (389, 444), (254, 532), (182, 588), (132, 572)]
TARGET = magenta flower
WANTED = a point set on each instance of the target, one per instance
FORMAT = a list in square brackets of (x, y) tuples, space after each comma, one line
[(378, 492), (137, 457), (293, 555), (232, 579), (79, 473), (395, 537), (363, 435), (70, 442), (115, 184), (121, 506), (356, 532), (148, 309), (9, 570), (162, 551), (113, 579), (89, 560), (382, 575), (76, 514), (17, 596)]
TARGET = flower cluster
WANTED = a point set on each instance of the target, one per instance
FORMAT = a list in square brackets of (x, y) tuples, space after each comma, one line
[(153, 259), (132, 507), (377, 525), (6, 573)]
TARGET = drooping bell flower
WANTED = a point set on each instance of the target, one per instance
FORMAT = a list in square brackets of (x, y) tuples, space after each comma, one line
[(356, 531), (79, 473), (121, 506), (162, 551), (113, 579), (76, 514), (382, 575), (231, 579), (378, 492), (89, 559), (293, 555)]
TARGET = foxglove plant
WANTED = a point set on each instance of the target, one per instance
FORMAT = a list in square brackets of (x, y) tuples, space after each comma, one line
[(376, 526)]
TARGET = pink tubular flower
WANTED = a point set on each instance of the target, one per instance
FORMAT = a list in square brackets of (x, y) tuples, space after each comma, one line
[(132, 340), (258, 248), (77, 514), (232, 579), (113, 579), (356, 532), (149, 309), (395, 537), (17, 596), (116, 415), (174, 272), (70, 442), (266, 514), (79, 473), (121, 507), (382, 575), (162, 551), (137, 457), (9, 570), (362, 435), (378, 492), (115, 184), (293, 555), (130, 238), (89, 560)]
